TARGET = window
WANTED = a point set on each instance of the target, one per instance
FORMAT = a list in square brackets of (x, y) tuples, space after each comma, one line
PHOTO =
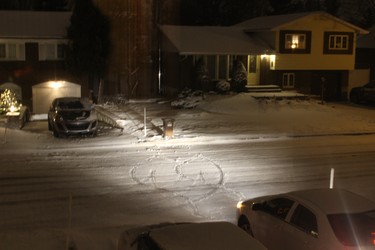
[(11, 51), (305, 220), (354, 229), (288, 80), (278, 207), (60, 51), (338, 43), (51, 51), (295, 41), (3, 51)]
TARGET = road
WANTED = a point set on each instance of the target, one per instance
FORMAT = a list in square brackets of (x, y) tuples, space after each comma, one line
[(91, 189)]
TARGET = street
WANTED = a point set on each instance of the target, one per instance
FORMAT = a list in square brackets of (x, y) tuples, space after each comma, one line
[(88, 190)]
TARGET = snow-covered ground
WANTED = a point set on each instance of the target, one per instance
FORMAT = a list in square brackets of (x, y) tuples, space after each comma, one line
[(87, 190)]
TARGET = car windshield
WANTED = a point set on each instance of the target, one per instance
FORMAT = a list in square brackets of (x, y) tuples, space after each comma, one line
[(70, 104), (354, 229)]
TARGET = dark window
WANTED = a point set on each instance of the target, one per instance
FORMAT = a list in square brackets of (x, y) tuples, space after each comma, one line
[(354, 229), (61, 51), (278, 207), (338, 43), (2, 51), (295, 42), (304, 219)]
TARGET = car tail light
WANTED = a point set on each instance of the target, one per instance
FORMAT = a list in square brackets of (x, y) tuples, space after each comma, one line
[(373, 238)]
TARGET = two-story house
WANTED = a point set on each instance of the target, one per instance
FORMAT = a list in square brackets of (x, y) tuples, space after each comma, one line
[(32, 48), (312, 53)]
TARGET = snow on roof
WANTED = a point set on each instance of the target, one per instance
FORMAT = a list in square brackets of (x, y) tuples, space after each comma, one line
[(33, 24), (276, 22), (213, 40), (270, 22)]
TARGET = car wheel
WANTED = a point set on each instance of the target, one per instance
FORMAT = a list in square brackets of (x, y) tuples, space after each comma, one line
[(49, 126), (244, 224), (55, 133)]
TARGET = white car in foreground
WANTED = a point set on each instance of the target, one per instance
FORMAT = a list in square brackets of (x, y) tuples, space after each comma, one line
[(326, 219), (183, 236)]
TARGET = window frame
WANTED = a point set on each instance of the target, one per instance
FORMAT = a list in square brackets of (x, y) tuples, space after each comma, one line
[(328, 48), (289, 76), (283, 48), (11, 51), (51, 51)]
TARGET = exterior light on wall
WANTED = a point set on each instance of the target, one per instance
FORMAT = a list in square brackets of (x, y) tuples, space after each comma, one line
[(56, 84), (272, 61)]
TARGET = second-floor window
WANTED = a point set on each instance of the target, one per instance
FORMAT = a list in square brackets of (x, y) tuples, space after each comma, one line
[(338, 43), (295, 42)]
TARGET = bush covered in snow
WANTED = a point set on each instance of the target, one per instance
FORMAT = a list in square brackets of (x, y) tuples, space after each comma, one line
[(239, 78), (223, 86), (188, 99)]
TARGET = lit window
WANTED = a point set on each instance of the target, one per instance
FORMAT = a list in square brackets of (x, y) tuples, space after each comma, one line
[(295, 41)]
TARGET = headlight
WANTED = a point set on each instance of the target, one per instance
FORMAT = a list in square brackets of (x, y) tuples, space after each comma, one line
[(240, 205)]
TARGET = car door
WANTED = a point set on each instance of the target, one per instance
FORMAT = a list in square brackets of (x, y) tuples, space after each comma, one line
[(302, 231), (269, 221)]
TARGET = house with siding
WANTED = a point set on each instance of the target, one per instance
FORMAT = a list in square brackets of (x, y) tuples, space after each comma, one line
[(312, 53), (32, 49)]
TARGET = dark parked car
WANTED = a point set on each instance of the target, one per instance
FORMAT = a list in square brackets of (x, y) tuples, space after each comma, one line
[(182, 236), (71, 115), (310, 219), (364, 94)]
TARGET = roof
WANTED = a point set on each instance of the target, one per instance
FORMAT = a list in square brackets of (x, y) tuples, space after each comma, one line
[(334, 201), (33, 24), (213, 40), (367, 41), (278, 21), (209, 235)]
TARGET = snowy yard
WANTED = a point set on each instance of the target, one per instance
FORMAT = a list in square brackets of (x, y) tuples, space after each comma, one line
[(88, 190)]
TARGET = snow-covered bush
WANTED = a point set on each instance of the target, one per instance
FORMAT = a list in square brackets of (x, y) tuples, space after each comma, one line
[(222, 86), (239, 77), (188, 99)]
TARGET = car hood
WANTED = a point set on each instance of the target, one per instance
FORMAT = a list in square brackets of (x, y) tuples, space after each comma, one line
[(74, 114)]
